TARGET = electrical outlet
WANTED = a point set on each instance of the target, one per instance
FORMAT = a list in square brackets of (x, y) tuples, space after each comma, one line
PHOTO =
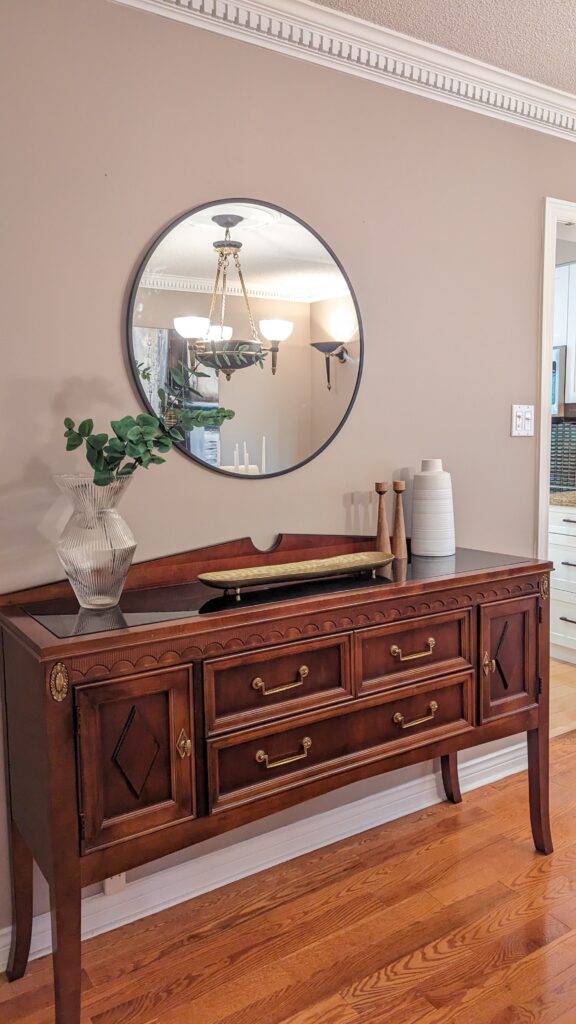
[(114, 884), (522, 421)]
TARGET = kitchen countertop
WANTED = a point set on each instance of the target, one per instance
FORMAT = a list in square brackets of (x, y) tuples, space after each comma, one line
[(563, 498)]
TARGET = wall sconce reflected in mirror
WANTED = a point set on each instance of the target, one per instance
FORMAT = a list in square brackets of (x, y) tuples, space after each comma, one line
[(275, 332), (334, 350)]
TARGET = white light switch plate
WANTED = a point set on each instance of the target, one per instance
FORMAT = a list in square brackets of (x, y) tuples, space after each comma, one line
[(522, 421)]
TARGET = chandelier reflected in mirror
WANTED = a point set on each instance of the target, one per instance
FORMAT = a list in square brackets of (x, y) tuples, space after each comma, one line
[(210, 340)]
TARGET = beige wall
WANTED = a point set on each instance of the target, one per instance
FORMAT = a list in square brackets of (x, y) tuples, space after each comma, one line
[(114, 123)]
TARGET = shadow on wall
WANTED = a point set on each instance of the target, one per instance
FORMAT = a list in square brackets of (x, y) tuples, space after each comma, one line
[(32, 512), (361, 507)]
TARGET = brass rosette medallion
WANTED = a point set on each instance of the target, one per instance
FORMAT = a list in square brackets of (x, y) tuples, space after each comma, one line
[(59, 682)]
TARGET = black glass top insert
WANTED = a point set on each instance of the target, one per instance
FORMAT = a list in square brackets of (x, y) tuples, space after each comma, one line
[(64, 618)]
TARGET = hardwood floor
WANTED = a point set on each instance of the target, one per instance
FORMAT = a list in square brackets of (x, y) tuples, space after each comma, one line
[(562, 697), (447, 916)]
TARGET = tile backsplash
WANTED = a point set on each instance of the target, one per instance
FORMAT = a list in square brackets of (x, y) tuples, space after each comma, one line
[(563, 456)]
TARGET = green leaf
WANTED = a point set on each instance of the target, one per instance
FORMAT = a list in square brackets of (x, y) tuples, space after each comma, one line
[(176, 434), (135, 451), (178, 376), (128, 469), (157, 459), (163, 444), (97, 441), (103, 477), (68, 423), (74, 441), (145, 420), (121, 427), (134, 434), (146, 459), (86, 427), (115, 445)]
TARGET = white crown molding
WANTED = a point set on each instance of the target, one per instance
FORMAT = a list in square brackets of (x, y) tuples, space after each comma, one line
[(336, 40), (204, 286), (166, 888)]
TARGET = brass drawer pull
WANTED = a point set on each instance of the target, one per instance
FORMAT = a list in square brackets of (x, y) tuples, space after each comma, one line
[(184, 745), (488, 663), (259, 684), (571, 521), (396, 651), (571, 564), (564, 618), (262, 756), (400, 720)]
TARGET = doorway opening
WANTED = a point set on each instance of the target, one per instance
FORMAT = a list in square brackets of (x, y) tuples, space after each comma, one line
[(557, 454)]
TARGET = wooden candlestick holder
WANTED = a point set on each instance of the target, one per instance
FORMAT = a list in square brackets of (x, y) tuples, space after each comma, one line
[(399, 547), (382, 530)]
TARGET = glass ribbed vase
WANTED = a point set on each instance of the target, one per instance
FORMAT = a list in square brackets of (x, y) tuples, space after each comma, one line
[(97, 546)]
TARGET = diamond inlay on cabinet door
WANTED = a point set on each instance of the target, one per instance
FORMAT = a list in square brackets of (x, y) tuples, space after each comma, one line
[(133, 779), (136, 751)]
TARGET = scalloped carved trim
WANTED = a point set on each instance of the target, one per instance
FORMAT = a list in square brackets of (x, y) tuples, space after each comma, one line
[(178, 651), (336, 40)]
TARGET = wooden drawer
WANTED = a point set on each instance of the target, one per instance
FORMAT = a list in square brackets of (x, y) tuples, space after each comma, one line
[(136, 756), (562, 520), (406, 651), (271, 759), (564, 557), (563, 620), (265, 685)]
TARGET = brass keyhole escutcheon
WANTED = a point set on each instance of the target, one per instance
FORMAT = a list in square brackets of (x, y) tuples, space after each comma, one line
[(184, 745)]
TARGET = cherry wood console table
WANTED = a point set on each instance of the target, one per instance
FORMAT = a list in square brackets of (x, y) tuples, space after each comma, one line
[(139, 731)]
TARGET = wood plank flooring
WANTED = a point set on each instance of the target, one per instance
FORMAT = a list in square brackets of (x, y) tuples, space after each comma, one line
[(562, 698), (447, 916)]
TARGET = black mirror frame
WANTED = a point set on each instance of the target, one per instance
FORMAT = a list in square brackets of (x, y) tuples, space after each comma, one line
[(130, 313)]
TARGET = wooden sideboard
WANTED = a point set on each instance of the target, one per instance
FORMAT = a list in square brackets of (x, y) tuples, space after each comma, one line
[(136, 732)]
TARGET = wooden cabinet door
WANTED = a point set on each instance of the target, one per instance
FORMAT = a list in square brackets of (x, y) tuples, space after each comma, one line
[(135, 755), (508, 656)]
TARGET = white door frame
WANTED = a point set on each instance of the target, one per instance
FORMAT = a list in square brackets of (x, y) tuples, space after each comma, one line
[(556, 211)]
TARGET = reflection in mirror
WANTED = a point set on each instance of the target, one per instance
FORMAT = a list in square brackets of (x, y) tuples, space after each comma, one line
[(239, 306)]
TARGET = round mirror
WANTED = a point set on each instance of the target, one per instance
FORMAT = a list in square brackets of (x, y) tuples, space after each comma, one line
[(245, 338)]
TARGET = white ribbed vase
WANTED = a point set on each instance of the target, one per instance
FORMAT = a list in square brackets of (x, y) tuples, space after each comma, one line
[(432, 511), (97, 546)]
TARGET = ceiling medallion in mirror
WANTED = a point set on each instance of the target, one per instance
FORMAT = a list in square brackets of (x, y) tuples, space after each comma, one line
[(243, 327)]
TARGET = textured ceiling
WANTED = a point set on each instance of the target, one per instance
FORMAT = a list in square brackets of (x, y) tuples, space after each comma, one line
[(533, 38)]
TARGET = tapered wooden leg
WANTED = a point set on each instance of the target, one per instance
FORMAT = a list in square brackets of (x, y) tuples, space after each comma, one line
[(22, 865), (538, 744), (65, 914), (449, 764)]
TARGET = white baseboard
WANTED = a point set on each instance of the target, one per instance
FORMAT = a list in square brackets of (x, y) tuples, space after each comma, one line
[(174, 885), (562, 653)]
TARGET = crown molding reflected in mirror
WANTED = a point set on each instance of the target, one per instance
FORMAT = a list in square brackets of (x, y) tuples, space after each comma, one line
[(242, 318)]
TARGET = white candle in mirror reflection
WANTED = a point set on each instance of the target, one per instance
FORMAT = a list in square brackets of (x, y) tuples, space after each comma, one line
[(236, 457), (263, 470), (246, 459)]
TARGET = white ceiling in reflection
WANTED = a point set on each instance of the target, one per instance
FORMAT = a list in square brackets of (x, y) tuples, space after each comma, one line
[(280, 257)]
